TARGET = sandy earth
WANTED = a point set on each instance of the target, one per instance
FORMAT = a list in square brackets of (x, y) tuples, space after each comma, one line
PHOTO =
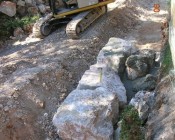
[(37, 75)]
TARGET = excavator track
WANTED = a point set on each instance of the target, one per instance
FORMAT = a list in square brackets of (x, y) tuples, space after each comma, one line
[(39, 26), (82, 21)]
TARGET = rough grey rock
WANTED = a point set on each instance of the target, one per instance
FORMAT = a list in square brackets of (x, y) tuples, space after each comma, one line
[(33, 10), (21, 3), (145, 83), (140, 63), (6, 108), (21, 10), (117, 131), (8, 8), (30, 2), (150, 54), (143, 102), (160, 124), (101, 76), (136, 66), (42, 8), (87, 115), (18, 32), (114, 54)]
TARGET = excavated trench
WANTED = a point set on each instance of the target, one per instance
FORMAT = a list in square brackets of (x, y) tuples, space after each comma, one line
[(154, 71)]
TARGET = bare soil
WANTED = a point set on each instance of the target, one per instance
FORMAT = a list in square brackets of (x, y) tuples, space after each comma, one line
[(37, 75)]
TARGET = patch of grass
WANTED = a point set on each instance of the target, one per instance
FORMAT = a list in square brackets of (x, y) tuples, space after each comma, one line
[(131, 125), (8, 24), (167, 63), (169, 3)]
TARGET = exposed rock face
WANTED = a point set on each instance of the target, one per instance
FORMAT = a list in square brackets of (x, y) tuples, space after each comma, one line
[(99, 76), (87, 115), (145, 83), (114, 54), (160, 124), (143, 102), (8, 8), (140, 63)]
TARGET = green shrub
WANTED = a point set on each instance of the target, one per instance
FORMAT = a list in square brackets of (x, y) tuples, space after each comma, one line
[(167, 63), (131, 125), (8, 24)]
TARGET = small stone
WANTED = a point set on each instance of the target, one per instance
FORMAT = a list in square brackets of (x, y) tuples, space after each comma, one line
[(33, 10), (70, 75), (1, 106), (28, 28), (40, 103), (63, 90), (18, 32), (46, 115), (21, 10), (42, 8), (44, 84), (16, 102), (30, 2), (9, 103), (6, 108), (21, 3), (50, 134), (15, 95)]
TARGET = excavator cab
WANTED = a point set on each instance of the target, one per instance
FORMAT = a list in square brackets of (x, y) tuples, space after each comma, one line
[(77, 14)]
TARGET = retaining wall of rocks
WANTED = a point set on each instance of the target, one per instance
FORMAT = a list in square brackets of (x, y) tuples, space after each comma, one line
[(172, 30), (90, 111)]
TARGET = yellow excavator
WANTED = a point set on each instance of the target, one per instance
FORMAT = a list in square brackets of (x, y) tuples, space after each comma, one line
[(77, 14)]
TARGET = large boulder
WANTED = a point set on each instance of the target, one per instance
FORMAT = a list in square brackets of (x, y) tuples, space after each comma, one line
[(143, 102), (87, 115), (100, 76), (114, 54), (145, 83), (136, 66), (8, 8), (140, 63)]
